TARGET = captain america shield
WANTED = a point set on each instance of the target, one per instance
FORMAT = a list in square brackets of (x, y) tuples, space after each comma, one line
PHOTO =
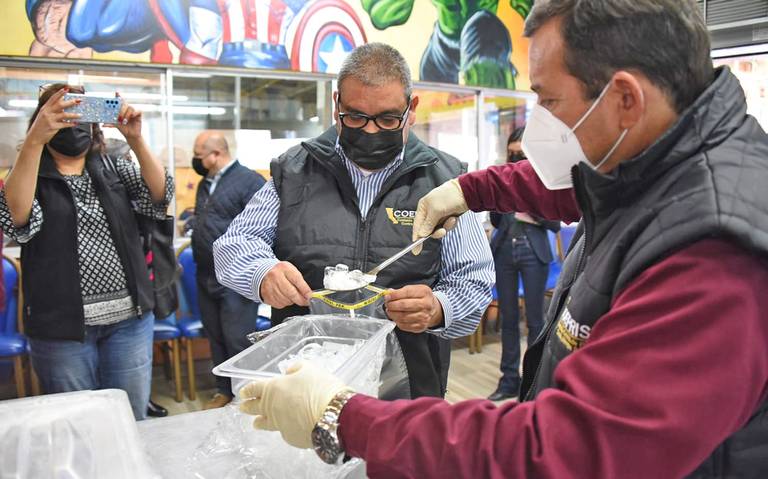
[(322, 34)]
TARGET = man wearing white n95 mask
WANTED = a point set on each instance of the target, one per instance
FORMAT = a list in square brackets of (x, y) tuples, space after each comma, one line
[(653, 361)]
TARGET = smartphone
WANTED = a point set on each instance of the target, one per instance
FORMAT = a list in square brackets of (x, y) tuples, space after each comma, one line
[(95, 109)]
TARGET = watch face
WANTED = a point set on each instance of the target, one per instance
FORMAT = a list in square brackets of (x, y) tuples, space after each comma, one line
[(326, 444)]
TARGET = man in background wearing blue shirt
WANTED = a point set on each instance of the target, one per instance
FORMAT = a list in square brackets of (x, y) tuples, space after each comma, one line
[(349, 196), (226, 187)]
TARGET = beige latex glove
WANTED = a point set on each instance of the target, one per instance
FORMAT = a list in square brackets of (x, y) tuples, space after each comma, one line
[(439, 207), (293, 403)]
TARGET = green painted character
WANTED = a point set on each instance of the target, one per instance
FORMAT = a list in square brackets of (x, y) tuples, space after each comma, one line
[(469, 39)]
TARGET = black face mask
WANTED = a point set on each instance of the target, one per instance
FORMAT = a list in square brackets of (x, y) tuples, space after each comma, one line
[(371, 151), (197, 165), (515, 157), (72, 141)]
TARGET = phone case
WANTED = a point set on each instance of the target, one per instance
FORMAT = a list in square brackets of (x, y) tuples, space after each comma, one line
[(95, 109)]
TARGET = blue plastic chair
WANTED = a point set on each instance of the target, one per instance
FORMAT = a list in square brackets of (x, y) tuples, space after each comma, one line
[(557, 262), (166, 331), (12, 343), (566, 236), (189, 321)]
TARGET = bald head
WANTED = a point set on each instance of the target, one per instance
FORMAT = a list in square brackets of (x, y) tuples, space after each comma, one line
[(212, 148)]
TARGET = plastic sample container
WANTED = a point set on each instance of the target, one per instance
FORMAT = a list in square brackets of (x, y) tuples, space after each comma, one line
[(79, 435), (361, 370)]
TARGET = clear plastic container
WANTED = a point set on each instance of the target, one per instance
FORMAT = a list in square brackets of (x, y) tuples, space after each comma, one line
[(79, 435), (361, 370)]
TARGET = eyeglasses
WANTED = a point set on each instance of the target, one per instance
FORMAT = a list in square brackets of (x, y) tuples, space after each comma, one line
[(386, 121), (43, 88)]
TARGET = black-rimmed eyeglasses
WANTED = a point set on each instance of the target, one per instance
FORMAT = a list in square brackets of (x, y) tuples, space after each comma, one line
[(386, 121)]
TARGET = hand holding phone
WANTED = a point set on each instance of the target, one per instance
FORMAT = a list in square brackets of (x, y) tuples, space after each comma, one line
[(94, 109)]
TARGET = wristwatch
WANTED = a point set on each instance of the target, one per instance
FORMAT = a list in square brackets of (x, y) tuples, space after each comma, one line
[(325, 439)]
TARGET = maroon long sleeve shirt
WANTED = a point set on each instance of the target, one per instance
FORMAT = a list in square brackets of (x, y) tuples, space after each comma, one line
[(678, 364)]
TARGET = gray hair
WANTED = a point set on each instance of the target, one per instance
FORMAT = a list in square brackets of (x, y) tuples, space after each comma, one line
[(375, 64), (665, 40)]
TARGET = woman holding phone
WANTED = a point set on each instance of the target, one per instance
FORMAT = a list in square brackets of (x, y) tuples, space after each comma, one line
[(88, 296)]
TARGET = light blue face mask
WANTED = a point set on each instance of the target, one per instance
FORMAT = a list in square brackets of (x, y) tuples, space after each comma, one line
[(553, 149)]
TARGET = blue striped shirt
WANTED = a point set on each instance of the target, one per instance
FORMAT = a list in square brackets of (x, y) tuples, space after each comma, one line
[(243, 255)]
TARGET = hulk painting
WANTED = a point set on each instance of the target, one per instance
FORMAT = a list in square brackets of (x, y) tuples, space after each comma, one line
[(468, 40)]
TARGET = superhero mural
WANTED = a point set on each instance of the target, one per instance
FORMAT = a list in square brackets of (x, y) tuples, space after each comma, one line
[(302, 35), (469, 44)]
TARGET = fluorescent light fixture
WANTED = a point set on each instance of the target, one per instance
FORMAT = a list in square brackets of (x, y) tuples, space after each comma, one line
[(200, 110), (137, 96), (183, 110), (19, 103), (740, 51), (10, 113), (182, 74)]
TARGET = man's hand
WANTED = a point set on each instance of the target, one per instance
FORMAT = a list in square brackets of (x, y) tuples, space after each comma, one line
[(439, 205), (291, 404), (414, 308), (283, 286)]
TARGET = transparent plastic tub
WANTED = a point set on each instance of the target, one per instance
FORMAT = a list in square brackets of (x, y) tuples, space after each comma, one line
[(79, 435), (361, 370)]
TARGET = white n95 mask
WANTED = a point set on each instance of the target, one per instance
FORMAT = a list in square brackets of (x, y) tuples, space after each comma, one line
[(553, 149)]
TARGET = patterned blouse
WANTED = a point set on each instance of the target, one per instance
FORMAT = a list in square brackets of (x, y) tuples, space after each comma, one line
[(106, 299)]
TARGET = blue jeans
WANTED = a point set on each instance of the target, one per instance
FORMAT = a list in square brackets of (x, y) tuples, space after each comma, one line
[(227, 318), (114, 356), (515, 258)]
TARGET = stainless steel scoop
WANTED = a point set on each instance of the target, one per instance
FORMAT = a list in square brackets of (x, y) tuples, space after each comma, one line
[(447, 226)]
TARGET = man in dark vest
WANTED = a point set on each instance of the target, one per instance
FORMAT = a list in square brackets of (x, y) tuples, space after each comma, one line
[(349, 196), (654, 358), (227, 186)]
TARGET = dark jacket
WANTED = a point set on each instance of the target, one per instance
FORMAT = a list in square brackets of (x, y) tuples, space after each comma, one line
[(537, 235), (706, 177), (53, 304), (213, 214), (319, 224)]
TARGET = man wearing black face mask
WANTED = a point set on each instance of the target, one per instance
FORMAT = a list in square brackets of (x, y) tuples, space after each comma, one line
[(348, 196), (225, 189)]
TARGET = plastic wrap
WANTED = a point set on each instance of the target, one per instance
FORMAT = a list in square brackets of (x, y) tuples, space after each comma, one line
[(79, 435), (367, 301), (221, 444)]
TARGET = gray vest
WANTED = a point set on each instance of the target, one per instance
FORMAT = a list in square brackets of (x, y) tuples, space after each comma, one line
[(319, 224), (684, 188)]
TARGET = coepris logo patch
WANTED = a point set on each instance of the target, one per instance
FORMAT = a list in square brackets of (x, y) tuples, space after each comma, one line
[(401, 217)]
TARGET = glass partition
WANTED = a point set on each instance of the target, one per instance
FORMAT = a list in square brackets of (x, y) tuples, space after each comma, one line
[(501, 116), (447, 121), (19, 89), (260, 117), (752, 72)]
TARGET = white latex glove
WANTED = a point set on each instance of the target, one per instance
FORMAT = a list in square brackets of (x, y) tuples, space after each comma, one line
[(293, 403), (439, 207)]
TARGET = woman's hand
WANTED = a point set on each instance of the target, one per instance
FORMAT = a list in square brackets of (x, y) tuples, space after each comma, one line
[(129, 121), (51, 118)]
